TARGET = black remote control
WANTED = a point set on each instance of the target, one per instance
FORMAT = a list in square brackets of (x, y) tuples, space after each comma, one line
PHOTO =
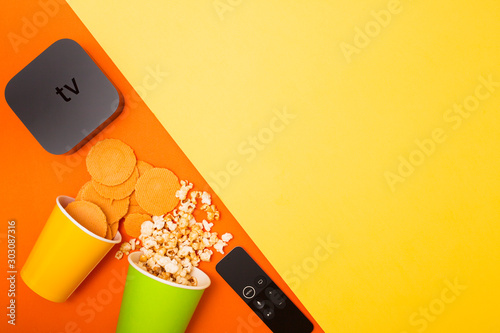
[(261, 294)]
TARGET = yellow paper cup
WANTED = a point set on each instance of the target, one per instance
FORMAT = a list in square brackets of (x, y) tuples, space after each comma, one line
[(64, 254)]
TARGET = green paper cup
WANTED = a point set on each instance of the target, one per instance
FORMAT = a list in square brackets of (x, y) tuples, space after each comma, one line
[(151, 304)]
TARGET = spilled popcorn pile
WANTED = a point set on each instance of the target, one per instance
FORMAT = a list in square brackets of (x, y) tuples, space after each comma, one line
[(174, 243)]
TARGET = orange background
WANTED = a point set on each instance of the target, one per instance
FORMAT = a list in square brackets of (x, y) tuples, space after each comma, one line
[(33, 178)]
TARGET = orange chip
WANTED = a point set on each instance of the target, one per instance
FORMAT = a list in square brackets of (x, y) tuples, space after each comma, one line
[(114, 229), (108, 232), (113, 209), (133, 200), (117, 192), (133, 222), (155, 191), (132, 209), (89, 216), (79, 195), (111, 162), (143, 167)]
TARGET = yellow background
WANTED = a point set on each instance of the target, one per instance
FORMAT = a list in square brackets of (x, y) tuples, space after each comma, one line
[(230, 66)]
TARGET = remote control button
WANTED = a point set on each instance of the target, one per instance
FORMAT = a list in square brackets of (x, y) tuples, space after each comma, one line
[(260, 281), (258, 304), (280, 304), (268, 313), (249, 292)]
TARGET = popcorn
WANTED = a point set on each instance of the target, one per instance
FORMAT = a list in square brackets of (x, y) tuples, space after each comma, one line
[(206, 199), (206, 255), (147, 228), (207, 225), (119, 255), (182, 192), (158, 221), (175, 243), (227, 237), (185, 250), (171, 226), (219, 246)]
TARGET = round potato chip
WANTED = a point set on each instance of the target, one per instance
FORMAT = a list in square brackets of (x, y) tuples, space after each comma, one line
[(132, 209), (108, 232), (155, 191), (89, 216), (133, 199), (79, 195), (113, 209), (114, 229), (117, 192), (133, 222), (143, 167), (111, 162)]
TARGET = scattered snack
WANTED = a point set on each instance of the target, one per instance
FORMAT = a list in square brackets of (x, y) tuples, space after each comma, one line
[(111, 162), (156, 209), (143, 167), (133, 222), (155, 191), (133, 199), (89, 216), (136, 209), (114, 229), (120, 191), (113, 209), (174, 243), (82, 189)]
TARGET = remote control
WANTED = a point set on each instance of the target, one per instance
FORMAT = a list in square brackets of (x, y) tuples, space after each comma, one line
[(261, 294)]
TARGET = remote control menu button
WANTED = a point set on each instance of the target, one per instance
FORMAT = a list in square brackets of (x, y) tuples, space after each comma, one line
[(249, 292), (260, 281)]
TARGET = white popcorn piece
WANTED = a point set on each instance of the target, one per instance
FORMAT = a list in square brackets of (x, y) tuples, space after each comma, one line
[(182, 192), (147, 228), (171, 267), (125, 247), (219, 246), (159, 222), (152, 263), (187, 206), (192, 222), (206, 255), (206, 199), (149, 243), (132, 244), (207, 225), (185, 250), (171, 226), (119, 255), (227, 237)]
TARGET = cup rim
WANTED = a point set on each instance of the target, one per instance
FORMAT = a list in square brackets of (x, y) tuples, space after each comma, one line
[(134, 256), (116, 240)]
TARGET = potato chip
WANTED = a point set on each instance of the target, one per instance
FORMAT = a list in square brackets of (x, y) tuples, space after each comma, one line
[(133, 222), (79, 195), (143, 167), (89, 216), (133, 199), (155, 191), (132, 209), (111, 162), (108, 232), (114, 229), (113, 209), (120, 191)]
